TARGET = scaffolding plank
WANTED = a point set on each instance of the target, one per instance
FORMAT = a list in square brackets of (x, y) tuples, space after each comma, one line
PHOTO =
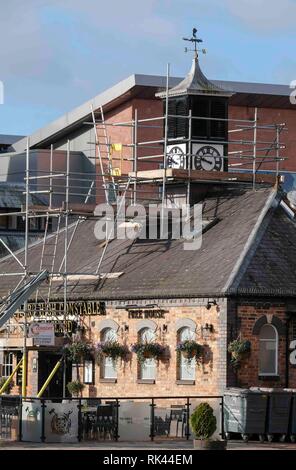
[(204, 176)]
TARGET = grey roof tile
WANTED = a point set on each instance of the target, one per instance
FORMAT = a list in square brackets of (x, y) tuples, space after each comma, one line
[(154, 269)]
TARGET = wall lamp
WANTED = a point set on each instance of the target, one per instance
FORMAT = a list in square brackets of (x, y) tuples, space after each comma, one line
[(208, 328), (210, 303)]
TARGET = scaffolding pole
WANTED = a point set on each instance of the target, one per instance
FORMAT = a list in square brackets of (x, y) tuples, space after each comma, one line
[(165, 148), (255, 147), (66, 229)]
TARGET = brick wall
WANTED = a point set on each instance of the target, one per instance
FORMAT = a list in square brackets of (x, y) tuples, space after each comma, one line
[(210, 375), (148, 108), (248, 374)]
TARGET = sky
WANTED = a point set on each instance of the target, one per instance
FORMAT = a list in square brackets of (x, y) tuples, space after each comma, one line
[(56, 54)]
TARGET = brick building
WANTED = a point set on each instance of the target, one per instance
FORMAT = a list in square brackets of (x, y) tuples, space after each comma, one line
[(239, 284), (135, 97)]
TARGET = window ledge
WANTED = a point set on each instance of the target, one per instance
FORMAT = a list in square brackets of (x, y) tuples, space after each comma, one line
[(185, 382), (145, 381), (108, 381), (269, 377)]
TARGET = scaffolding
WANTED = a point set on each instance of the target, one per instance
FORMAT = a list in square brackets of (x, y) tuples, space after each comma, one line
[(144, 165)]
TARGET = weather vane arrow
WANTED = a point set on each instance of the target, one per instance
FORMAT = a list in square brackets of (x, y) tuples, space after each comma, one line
[(195, 41)]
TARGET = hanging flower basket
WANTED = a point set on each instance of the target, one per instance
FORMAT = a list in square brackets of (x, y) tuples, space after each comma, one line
[(239, 350), (148, 351), (188, 354), (77, 351), (112, 349), (190, 349), (75, 388)]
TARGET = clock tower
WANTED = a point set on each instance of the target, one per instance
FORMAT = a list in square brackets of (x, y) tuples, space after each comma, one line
[(198, 142)]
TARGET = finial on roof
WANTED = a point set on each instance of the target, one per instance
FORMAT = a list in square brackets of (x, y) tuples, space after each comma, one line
[(195, 83)]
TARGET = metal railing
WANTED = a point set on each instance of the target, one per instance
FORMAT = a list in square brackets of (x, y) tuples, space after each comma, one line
[(102, 418)]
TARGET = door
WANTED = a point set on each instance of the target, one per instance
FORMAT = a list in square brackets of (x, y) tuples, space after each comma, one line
[(46, 363)]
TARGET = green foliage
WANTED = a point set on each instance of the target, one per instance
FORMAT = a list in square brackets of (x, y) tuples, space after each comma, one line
[(75, 388), (238, 348), (148, 350), (203, 422), (190, 349), (9, 386), (77, 351), (112, 349)]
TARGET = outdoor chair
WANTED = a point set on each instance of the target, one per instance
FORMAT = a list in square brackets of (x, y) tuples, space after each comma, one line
[(106, 421)]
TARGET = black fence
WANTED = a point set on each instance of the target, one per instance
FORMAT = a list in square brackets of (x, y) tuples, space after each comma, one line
[(100, 419)]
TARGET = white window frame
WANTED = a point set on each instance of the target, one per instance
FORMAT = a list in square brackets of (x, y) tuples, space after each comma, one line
[(151, 363), (88, 371), (270, 374), (7, 366), (182, 361), (107, 360)]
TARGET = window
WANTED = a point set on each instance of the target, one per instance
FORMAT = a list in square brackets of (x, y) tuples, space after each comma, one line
[(3, 221), (108, 366), (88, 372), (268, 350), (148, 367), (186, 369), (7, 364)]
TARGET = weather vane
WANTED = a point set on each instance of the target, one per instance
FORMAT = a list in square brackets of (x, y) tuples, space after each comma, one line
[(195, 41)]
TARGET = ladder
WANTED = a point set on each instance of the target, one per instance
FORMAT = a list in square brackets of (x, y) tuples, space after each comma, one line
[(104, 157), (48, 252)]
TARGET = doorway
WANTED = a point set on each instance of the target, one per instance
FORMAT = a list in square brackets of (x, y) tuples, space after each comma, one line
[(57, 387)]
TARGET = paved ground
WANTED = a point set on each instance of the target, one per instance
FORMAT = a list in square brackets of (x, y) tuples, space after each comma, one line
[(157, 445)]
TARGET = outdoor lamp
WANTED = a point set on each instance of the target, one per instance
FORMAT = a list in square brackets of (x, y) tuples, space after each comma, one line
[(210, 303)]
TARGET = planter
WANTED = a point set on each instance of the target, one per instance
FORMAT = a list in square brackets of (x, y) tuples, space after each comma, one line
[(188, 355), (207, 444), (147, 355)]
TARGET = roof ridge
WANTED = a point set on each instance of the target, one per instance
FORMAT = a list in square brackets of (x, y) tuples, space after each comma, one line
[(251, 244)]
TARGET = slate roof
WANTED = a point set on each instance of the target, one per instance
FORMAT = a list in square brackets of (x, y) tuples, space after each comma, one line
[(9, 139), (12, 196), (158, 269), (272, 269)]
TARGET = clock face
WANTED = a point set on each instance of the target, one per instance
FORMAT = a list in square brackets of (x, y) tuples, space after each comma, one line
[(208, 158), (176, 157)]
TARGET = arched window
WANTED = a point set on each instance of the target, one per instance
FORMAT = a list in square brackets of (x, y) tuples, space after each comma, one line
[(268, 350), (186, 369), (147, 368), (108, 367)]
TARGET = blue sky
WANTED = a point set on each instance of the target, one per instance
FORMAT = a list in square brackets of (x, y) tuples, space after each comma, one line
[(56, 54)]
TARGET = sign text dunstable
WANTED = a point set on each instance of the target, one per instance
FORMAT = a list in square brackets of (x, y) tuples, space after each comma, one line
[(80, 308)]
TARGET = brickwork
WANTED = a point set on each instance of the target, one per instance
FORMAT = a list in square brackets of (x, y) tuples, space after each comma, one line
[(209, 375), (248, 374), (229, 318), (148, 108)]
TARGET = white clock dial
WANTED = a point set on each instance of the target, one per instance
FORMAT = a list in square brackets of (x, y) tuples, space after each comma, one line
[(176, 157), (207, 158)]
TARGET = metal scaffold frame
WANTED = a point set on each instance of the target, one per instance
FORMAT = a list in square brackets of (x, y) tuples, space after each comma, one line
[(134, 186)]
